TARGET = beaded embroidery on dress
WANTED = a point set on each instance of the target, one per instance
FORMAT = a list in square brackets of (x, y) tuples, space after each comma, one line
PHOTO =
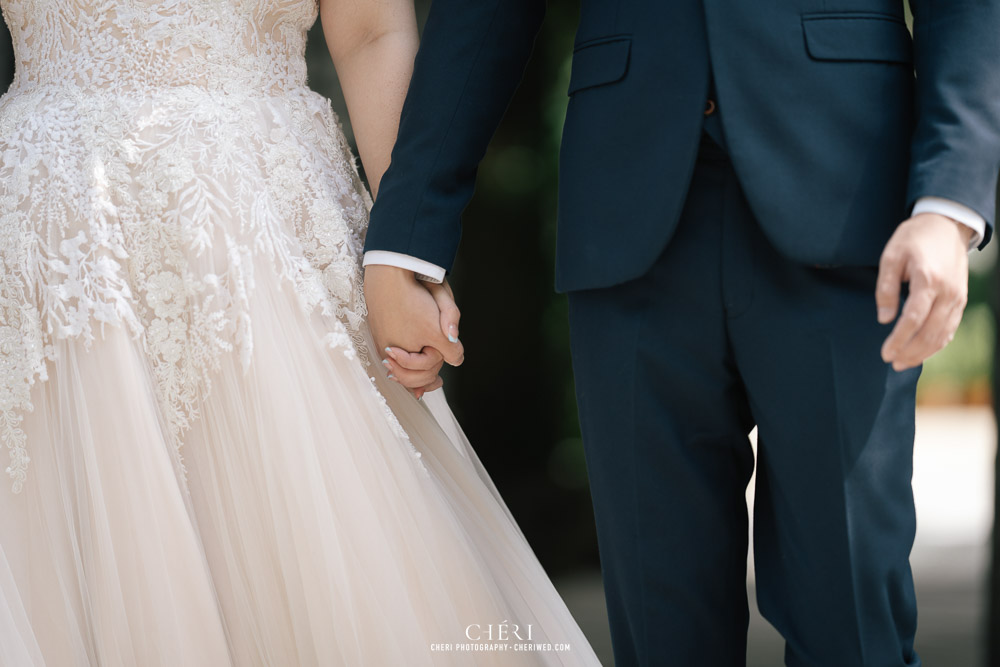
[(217, 473), (154, 136)]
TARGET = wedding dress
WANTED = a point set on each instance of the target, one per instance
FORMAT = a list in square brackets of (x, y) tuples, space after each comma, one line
[(205, 466)]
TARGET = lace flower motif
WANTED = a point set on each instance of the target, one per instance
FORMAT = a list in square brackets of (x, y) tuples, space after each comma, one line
[(149, 154)]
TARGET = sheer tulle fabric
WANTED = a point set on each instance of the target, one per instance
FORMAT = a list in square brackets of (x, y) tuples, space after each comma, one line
[(214, 478), (310, 532)]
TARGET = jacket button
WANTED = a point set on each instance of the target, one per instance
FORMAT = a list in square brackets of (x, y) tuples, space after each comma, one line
[(710, 107)]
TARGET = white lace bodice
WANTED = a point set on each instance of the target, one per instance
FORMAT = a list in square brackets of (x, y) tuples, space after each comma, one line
[(135, 45), (148, 150)]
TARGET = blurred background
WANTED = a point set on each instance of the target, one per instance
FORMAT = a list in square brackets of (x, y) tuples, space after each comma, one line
[(514, 394)]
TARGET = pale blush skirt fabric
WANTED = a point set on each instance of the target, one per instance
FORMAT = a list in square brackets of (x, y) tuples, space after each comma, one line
[(307, 532)]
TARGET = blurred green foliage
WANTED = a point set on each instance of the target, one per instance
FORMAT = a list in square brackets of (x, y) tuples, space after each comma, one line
[(514, 395), (962, 372)]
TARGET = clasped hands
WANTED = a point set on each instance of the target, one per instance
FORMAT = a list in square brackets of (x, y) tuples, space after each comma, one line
[(415, 324)]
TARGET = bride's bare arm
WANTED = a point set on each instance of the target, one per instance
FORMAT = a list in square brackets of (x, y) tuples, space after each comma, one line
[(372, 43)]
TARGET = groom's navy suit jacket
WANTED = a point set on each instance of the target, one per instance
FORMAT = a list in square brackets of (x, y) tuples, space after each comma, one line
[(831, 134)]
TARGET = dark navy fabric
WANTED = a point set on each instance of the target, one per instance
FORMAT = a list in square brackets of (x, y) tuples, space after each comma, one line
[(673, 369), (818, 100), (717, 287), (713, 119)]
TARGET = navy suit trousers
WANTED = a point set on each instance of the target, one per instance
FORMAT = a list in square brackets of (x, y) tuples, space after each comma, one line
[(673, 370)]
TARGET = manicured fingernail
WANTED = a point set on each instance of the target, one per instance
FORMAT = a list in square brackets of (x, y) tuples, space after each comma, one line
[(391, 376), (389, 351), (453, 333), (385, 362)]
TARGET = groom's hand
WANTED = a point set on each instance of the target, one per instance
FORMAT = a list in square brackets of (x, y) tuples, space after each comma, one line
[(930, 252), (408, 319)]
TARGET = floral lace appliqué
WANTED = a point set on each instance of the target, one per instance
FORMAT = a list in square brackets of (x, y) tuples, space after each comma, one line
[(149, 151)]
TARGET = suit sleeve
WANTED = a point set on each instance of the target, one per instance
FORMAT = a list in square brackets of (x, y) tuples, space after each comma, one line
[(6, 58), (471, 58), (955, 152)]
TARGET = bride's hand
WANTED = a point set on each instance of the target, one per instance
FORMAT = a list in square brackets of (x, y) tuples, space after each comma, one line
[(417, 371), (414, 324)]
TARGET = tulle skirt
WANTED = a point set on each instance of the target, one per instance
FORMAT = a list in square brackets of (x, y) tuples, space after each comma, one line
[(319, 517)]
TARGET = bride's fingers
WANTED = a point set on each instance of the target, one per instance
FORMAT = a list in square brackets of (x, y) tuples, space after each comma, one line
[(450, 314), (426, 359), (452, 350), (409, 378), (437, 384)]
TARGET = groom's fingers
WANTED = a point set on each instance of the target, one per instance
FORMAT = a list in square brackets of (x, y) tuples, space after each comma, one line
[(940, 327), (915, 311), (927, 340), (937, 332), (889, 284)]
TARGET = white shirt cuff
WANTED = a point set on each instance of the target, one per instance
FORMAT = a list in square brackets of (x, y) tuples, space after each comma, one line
[(958, 212), (426, 271)]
